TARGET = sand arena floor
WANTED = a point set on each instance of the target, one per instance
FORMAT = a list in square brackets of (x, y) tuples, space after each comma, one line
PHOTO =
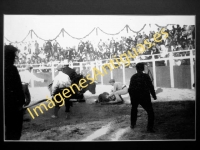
[(163, 94), (174, 119)]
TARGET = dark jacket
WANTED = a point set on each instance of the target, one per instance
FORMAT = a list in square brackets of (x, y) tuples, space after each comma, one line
[(14, 96), (141, 87)]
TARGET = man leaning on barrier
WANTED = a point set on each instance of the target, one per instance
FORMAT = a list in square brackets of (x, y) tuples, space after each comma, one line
[(26, 77)]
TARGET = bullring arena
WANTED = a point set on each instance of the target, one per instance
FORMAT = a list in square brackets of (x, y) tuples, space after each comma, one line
[(90, 121), (170, 63)]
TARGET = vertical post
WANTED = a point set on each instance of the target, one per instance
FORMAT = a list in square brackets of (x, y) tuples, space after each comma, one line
[(72, 65), (92, 66), (123, 69), (171, 67), (81, 67), (52, 70), (111, 73), (96, 66), (154, 71), (101, 71), (191, 69), (96, 63), (32, 81)]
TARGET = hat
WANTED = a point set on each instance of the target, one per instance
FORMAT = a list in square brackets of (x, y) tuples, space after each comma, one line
[(112, 81), (59, 67), (28, 67)]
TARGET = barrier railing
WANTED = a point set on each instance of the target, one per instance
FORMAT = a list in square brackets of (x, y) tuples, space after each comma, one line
[(170, 56)]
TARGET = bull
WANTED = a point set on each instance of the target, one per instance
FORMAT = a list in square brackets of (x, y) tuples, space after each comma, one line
[(79, 94)]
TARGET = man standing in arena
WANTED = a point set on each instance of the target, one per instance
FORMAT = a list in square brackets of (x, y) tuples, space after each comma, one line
[(14, 96), (139, 90), (26, 77), (61, 81)]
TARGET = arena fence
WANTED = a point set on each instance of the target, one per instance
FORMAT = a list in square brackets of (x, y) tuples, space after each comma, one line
[(168, 75)]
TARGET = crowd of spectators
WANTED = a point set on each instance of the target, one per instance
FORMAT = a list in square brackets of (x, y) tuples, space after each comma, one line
[(179, 38)]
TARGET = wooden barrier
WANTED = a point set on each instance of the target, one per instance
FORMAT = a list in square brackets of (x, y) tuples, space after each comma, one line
[(164, 76)]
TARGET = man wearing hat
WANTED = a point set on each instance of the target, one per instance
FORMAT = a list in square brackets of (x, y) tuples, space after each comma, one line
[(60, 82)]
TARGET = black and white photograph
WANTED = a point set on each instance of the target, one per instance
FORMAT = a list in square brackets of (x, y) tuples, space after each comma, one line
[(94, 78)]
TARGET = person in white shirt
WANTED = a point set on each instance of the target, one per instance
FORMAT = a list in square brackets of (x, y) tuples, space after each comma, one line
[(118, 90), (115, 96), (26, 77), (60, 82)]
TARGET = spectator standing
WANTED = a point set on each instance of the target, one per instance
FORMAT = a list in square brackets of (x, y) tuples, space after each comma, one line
[(37, 51), (56, 45), (29, 48), (81, 47), (190, 45), (45, 47), (70, 54), (100, 45), (49, 48)]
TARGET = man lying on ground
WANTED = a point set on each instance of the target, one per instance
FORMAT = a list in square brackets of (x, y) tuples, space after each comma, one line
[(115, 96), (106, 98)]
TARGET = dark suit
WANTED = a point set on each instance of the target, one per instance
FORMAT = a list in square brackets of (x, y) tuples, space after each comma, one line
[(139, 90), (14, 101), (49, 47)]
